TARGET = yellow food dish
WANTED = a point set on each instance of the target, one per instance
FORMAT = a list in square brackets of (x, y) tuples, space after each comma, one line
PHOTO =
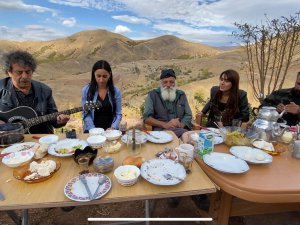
[(236, 138)]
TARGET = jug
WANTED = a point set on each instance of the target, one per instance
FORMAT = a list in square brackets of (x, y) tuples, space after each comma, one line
[(266, 123)]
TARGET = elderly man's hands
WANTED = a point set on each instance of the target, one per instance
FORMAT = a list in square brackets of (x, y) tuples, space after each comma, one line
[(63, 119), (292, 108), (174, 123)]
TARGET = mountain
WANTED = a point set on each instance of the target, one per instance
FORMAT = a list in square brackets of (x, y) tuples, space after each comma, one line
[(77, 53)]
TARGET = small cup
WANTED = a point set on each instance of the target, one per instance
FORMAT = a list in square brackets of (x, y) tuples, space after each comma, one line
[(185, 153), (123, 127), (83, 164)]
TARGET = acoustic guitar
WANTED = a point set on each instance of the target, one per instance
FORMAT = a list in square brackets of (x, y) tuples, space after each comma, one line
[(28, 117)]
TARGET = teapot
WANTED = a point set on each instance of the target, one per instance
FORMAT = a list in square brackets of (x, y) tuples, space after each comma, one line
[(269, 113), (266, 123)]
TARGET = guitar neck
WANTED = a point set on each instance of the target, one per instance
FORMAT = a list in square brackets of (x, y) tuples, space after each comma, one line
[(41, 119)]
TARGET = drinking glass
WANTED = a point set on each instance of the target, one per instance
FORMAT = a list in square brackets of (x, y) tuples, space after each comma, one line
[(83, 164), (123, 127)]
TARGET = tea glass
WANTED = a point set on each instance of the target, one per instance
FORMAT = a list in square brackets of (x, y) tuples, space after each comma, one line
[(83, 164)]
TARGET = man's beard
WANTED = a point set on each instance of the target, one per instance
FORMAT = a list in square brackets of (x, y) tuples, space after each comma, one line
[(168, 94)]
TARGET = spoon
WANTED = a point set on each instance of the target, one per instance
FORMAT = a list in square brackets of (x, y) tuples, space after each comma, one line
[(100, 181), (220, 128), (169, 176)]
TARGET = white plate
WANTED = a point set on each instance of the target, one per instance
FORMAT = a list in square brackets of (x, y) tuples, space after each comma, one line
[(218, 140), (225, 162), (69, 144), (16, 159), (216, 131), (154, 169), (76, 191), (143, 139), (251, 155), (19, 147), (48, 139), (163, 136)]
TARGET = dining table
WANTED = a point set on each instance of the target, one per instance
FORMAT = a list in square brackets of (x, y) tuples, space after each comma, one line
[(265, 188), (50, 193)]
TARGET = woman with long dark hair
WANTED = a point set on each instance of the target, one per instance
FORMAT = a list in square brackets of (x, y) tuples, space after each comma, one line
[(228, 104), (101, 89)]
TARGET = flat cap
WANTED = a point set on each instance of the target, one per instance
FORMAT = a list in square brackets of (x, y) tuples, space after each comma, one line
[(167, 73)]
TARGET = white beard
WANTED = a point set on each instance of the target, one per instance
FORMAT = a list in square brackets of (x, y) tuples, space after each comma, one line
[(168, 94)]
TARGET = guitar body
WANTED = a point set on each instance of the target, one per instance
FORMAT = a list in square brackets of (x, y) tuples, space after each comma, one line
[(28, 117), (17, 115)]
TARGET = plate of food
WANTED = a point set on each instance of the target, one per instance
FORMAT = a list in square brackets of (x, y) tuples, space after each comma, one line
[(76, 191), (274, 148), (66, 147), (37, 171), (251, 155), (159, 137), (19, 147), (163, 172)]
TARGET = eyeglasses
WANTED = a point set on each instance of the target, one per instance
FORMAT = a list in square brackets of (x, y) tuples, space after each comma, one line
[(20, 72)]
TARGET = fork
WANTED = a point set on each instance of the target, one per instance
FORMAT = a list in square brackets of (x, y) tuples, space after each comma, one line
[(84, 181), (100, 181), (169, 176)]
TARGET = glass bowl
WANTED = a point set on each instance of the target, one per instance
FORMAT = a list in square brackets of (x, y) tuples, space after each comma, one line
[(236, 136)]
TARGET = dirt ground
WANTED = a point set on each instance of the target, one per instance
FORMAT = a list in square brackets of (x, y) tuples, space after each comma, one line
[(186, 208)]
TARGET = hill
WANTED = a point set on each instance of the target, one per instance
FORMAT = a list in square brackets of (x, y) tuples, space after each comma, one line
[(77, 53)]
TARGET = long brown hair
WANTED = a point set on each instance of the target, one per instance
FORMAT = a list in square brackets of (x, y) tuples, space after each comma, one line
[(232, 105)]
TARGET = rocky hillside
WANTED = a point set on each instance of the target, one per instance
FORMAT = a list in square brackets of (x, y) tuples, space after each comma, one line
[(77, 53)]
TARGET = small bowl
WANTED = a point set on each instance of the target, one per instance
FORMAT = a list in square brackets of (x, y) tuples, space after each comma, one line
[(103, 164), (96, 131), (112, 146), (127, 175), (112, 135), (48, 139), (87, 151), (96, 141), (17, 159)]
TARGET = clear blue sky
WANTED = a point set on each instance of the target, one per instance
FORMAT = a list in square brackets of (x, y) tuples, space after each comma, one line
[(205, 21)]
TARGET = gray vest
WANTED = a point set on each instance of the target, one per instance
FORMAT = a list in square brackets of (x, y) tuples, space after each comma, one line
[(161, 112)]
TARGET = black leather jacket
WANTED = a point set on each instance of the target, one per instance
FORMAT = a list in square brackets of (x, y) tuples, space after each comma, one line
[(242, 115), (284, 96), (43, 100)]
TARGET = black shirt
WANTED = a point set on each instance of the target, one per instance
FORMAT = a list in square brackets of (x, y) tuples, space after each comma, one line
[(29, 100), (103, 117)]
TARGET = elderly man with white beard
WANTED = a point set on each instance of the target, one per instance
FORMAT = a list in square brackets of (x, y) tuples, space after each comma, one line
[(167, 108)]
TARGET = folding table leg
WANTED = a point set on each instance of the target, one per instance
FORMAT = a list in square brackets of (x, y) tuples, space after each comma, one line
[(147, 211), (25, 217)]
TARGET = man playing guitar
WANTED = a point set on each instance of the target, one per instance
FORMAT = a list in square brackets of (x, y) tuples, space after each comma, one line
[(18, 89)]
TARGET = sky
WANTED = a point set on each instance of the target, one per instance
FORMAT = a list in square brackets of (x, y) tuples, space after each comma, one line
[(209, 22)]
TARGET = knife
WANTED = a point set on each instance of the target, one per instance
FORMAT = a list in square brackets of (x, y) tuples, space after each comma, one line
[(147, 132), (84, 181), (4, 154)]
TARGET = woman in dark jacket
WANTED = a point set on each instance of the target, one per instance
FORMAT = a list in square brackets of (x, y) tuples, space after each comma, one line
[(228, 104)]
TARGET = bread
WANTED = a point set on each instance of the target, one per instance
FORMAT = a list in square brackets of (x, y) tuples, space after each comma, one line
[(133, 160)]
